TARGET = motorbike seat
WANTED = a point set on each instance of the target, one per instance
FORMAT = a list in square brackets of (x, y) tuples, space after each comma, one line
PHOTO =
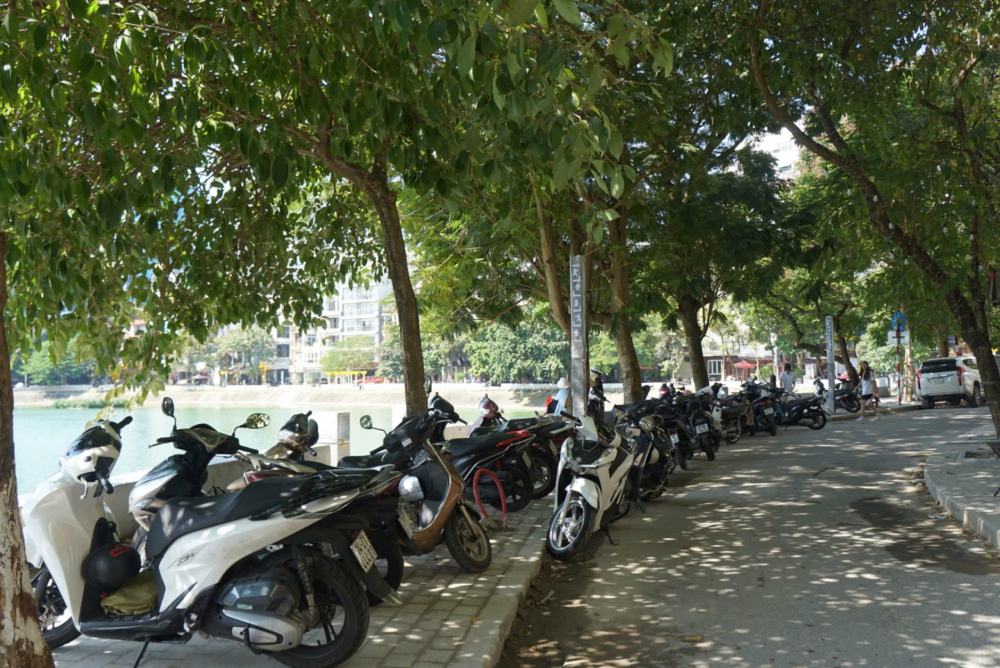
[(732, 411), (521, 423), (361, 461), (460, 447), (179, 517)]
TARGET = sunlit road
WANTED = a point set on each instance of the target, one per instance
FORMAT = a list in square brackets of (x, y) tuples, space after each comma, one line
[(808, 549)]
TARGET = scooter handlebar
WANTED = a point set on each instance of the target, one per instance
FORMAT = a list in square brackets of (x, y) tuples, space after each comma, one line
[(570, 416)]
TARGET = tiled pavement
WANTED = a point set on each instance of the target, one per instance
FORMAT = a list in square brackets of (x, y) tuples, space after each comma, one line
[(448, 618)]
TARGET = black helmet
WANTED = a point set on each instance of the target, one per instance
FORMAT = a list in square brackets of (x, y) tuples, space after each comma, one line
[(111, 566)]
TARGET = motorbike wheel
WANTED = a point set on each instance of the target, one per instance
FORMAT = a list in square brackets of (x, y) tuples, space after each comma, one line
[(389, 562), (708, 450), (518, 486), (543, 472), (772, 427), (850, 404), (563, 539), (57, 624), (467, 542), (336, 590), (818, 421)]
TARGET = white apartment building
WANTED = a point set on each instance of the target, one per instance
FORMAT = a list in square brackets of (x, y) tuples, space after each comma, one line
[(350, 312), (784, 150)]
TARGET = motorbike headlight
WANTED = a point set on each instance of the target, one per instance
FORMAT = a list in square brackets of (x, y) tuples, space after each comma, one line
[(648, 423)]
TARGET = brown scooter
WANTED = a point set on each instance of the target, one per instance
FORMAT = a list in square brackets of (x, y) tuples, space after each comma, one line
[(433, 508)]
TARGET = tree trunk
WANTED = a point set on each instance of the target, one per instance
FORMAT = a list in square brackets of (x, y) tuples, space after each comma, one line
[(688, 310), (942, 345), (629, 360), (553, 282), (21, 642), (909, 380), (845, 354), (384, 200), (974, 328), (627, 357)]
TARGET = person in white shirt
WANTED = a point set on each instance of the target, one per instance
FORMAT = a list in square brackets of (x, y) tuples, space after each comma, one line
[(787, 379), (869, 387)]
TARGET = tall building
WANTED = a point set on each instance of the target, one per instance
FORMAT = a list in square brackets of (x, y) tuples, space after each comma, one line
[(359, 311), (785, 151)]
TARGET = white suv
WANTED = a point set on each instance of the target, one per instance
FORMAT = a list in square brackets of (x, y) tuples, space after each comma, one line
[(949, 379)]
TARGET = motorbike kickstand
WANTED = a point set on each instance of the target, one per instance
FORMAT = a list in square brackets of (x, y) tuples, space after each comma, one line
[(142, 652), (607, 530)]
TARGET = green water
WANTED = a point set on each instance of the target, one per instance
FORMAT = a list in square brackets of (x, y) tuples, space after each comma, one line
[(41, 435)]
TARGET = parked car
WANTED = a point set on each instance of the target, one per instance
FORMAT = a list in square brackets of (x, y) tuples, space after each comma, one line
[(950, 379)]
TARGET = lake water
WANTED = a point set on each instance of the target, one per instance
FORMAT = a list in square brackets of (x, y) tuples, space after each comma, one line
[(41, 435)]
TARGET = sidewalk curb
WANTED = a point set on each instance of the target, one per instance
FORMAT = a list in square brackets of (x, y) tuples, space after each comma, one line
[(974, 507), (498, 615)]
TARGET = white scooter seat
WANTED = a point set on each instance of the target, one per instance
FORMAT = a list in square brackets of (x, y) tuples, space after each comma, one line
[(179, 517)]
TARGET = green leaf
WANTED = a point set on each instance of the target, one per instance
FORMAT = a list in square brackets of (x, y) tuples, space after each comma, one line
[(520, 11), (616, 144), (609, 215), (279, 171), (467, 55), (617, 183), (568, 10), (78, 8), (542, 15), (315, 57), (40, 36)]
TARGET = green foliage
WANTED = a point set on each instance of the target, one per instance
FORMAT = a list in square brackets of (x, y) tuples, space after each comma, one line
[(44, 368), (354, 353), (243, 349), (532, 351)]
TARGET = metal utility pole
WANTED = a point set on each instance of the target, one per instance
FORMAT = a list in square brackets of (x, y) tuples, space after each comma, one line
[(831, 367), (578, 336), (774, 348)]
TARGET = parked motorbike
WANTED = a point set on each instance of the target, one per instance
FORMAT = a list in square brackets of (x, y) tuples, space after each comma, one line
[(433, 507), (762, 403), (548, 430), (242, 566), (505, 454), (592, 488), (807, 411), (653, 460), (697, 422), (845, 396), (729, 414)]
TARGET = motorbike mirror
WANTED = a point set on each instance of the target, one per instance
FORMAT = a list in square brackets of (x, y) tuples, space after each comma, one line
[(167, 406), (366, 421), (256, 421)]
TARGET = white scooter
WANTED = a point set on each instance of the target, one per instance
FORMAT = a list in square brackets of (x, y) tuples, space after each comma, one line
[(242, 566), (592, 487)]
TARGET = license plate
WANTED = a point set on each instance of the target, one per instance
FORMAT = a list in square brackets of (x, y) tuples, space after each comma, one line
[(701, 428), (675, 439), (768, 411), (364, 552), (407, 524)]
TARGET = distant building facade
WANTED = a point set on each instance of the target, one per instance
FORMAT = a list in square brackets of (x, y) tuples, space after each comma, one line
[(359, 311)]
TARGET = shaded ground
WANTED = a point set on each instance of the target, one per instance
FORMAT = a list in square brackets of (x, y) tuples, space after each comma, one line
[(810, 549)]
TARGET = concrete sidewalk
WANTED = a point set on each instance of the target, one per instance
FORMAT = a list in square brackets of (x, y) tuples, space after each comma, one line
[(448, 618), (963, 475)]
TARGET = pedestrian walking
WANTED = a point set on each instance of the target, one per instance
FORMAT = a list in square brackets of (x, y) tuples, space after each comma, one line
[(787, 379), (869, 390)]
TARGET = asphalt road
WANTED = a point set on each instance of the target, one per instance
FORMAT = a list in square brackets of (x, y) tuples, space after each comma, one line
[(808, 549)]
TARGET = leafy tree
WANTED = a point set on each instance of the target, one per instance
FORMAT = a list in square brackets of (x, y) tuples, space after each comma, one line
[(532, 351), (390, 355), (902, 99), (241, 350), (353, 353), (42, 369)]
